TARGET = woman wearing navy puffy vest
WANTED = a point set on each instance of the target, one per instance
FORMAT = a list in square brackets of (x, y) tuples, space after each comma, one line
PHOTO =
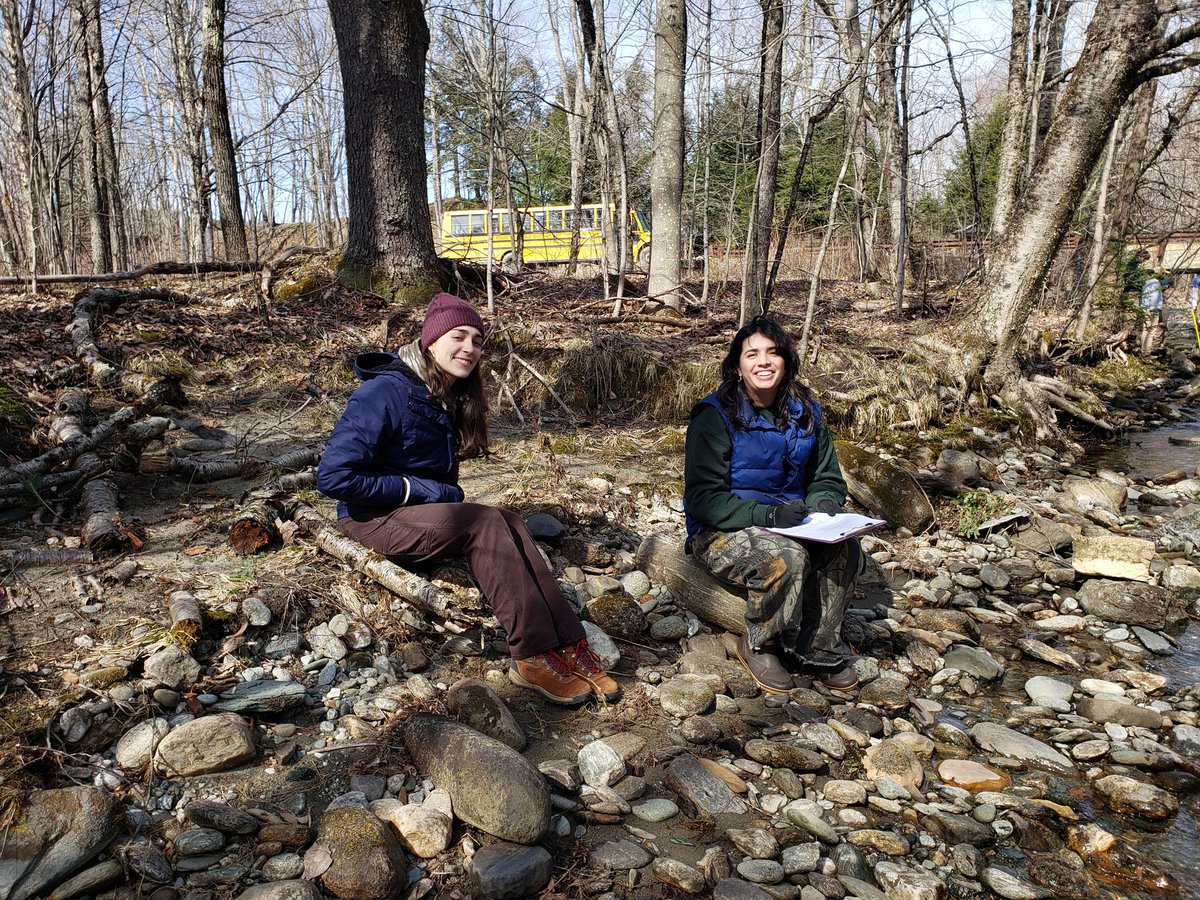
[(392, 465), (759, 455)]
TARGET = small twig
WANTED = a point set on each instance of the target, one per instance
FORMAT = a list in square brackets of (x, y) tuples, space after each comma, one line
[(538, 375)]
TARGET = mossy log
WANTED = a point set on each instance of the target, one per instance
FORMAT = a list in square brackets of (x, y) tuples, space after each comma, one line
[(417, 590), (254, 528), (661, 557)]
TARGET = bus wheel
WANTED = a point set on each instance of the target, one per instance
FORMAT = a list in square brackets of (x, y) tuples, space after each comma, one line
[(509, 264), (643, 259)]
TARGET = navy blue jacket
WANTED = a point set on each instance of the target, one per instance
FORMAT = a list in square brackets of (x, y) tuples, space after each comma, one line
[(393, 446)]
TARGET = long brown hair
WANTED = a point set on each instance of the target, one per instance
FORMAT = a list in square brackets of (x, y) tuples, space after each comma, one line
[(467, 403)]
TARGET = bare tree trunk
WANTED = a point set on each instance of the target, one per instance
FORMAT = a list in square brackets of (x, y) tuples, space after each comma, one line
[(381, 49), (1121, 40), (1100, 234), (187, 86), (964, 120), (97, 206), (1013, 143), (898, 179), (1051, 31), (220, 135), (762, 210), (666, 176)]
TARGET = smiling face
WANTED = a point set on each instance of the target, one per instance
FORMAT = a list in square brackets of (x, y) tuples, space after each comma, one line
[(457, 352), (761, 368)]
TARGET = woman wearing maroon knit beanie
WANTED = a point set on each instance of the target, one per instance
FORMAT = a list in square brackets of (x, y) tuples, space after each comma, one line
[(392, 465)]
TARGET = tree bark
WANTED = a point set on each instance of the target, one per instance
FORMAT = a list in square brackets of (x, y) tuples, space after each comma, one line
[(1120, 41), (220, 134), (762, 210), (187, 87), (1013, 142), (381, 51), (666, 173)]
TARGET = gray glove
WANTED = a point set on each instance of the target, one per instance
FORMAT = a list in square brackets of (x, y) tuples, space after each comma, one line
[(829, 507)]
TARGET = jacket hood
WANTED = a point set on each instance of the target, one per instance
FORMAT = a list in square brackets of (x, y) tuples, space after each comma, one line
[(369, 365)]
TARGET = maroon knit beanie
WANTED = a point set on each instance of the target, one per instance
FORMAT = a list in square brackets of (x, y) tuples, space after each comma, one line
[(446, 312)]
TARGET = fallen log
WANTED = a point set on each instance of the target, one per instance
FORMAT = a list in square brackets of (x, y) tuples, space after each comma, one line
[(163, 267), (186, 620), (105, 431), (413, 588), (21, 559), (254, 528), (103, 532), (661, 557)]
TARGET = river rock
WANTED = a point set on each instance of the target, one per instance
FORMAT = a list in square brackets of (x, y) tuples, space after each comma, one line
[(1130, 603), (231, 820), (1005, 741), (1092, 492), (602, 645), (1046, 653), (477, 706), (754, 842), (824, 738), (895, 760), (208, 744), (1043, 536), (1186, 740), (678, 875), (902, 883), (972, 776), (656, 810), (366, 860), (424, 828), (700, 787), (887, 490), (619, 854), (786, 756), (1127, 795), (801, 858), (136, 747), (263, 696), (282, 890), (888, 691), (685, 695), (198, 842), (325, 643), (505, 870), (283, 866), (847, 793), (885, 842), (1113, 556), (91, 880), (1011, 886), (172, 667), (1050, 693), (618, 614), (810, 821), (974, 660), (491, 786), (600, 764), (1101, 710), (959, 829), (57, 832), (760, 871), (737, 889), (1065, 624)]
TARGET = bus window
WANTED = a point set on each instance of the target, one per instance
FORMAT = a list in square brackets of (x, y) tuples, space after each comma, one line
[(499, 223), (477, 226), (539, 218), (531, 224), (556, 220), (460, 226)]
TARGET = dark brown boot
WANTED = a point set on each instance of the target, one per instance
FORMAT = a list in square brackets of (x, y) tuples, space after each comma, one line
[(765, 668)]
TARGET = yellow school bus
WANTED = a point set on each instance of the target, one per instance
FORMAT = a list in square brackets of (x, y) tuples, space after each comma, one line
[(547, 235)]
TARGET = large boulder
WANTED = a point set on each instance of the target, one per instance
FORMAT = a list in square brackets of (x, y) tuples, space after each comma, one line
[(491, 785), (1131, 603), (57, 832), (1087, 493), (885, 489)]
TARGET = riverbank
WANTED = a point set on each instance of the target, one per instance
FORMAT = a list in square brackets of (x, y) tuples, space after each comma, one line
[(1026, 724)]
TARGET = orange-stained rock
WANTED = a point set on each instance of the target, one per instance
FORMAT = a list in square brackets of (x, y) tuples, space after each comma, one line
[(972, 776)]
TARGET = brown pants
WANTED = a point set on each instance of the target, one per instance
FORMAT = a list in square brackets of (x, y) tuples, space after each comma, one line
[(510, 572)]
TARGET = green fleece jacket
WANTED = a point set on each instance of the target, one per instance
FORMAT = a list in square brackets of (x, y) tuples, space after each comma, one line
[(707, 455)]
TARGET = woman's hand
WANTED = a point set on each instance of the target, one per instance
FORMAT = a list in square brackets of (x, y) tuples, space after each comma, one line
[(787, 514)]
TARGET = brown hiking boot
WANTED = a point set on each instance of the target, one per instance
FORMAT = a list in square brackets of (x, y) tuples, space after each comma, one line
[(843, 679), (550, 676), (586, 664), (765, 668)]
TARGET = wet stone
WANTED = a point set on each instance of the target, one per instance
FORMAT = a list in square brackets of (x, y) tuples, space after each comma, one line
[(1127, 795), (198, 841), (781, 755), (737, 889), (761, 871), (226, 818), (974, 660), (1011, 886)]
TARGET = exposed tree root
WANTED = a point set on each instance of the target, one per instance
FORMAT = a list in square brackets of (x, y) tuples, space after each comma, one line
[(266, 283)]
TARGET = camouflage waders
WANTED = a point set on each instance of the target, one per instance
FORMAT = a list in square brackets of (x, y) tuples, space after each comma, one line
[(797, 591)]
